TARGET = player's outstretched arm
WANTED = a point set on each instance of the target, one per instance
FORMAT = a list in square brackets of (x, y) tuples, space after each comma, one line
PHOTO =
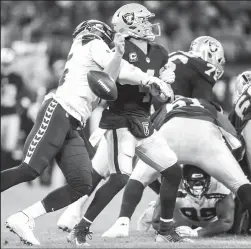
[(128, 74), (113, 68), (225, 214)]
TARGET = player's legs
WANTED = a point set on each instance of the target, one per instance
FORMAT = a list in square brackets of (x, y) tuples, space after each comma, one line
[(42, 144), (73, 160), (121, 148), (224, 167), (155, 152), (247, 138), (72, 215), (141, 177), (201, 143)]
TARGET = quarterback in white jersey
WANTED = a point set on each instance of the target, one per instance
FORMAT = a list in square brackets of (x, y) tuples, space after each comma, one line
[(204, 206), (54, 134)]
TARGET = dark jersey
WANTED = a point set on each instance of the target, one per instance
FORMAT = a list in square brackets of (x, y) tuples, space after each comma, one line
[(134, 100), (242, 111), (195, 77), (185, 107), (11, 87)]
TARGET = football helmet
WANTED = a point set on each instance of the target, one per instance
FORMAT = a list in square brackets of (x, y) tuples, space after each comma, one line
[(195, 180), (243, 80), (132, 20), (209, 49), (92, 29)]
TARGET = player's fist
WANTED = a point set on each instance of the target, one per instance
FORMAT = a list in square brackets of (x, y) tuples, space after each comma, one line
[(185, 231), (119, 42), (168, 74), (162, 91)]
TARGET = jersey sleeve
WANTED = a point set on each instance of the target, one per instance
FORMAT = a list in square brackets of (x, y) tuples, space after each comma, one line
[(129, 74), (101, 53)]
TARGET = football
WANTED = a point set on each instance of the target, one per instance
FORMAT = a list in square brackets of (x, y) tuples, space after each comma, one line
[(102, 85)]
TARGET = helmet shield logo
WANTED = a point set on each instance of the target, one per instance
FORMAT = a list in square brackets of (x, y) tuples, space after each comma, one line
[(213, 47), (128, 18)]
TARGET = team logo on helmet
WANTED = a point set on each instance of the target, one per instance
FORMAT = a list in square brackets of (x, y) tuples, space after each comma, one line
[(128, 18), (213, 47)]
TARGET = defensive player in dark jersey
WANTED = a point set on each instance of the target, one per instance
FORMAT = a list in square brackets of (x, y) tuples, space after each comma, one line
[(196, 73), (128, 125)]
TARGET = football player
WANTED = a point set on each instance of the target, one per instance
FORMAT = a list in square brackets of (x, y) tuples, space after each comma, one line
[(195, 131), (240, 118), (204, 207), (196, 73), (54, 134), (241, 114), (128, 125)]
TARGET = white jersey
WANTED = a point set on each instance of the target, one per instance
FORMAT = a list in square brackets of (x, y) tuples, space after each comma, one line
[(199, 212), (190, 211), (73, 93)]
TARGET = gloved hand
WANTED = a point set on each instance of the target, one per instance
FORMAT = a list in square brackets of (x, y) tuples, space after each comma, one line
[(168, 74), (185, 231), (162, 91)]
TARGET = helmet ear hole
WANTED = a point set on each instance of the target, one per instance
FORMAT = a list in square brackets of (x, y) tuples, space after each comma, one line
[(210, 55)]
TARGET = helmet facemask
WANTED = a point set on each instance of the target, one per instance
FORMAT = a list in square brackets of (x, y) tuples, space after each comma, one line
[(196, 182), (144, 29)]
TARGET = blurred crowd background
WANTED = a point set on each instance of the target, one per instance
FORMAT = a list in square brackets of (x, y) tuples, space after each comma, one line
[(40, 34)]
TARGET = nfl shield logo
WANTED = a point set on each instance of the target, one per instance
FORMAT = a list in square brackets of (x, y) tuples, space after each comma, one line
[(146, 128)]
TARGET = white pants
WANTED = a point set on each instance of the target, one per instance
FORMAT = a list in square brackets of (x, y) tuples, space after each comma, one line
[(100, 160), (122, 146), (10, 127), (247, 137), (199, 143)]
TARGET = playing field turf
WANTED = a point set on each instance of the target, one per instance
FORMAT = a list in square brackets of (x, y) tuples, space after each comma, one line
[(21, 196)]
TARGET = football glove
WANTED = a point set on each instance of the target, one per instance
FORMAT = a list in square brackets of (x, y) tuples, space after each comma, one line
[(162, 91), (151, 80), (168, 74), (185, 231)]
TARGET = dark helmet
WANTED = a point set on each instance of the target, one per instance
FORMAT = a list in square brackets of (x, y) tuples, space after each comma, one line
[(195, 180), (92, 29)]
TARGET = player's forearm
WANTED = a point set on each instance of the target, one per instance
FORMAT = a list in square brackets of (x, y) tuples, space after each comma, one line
[(215, 228), (113, 68), (131, 75)]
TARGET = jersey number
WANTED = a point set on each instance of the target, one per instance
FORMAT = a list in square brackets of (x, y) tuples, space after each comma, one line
[(145, 90), (66, 71), (242, 105), (187, 102), (212, 69), (205, 213), (180, 57)]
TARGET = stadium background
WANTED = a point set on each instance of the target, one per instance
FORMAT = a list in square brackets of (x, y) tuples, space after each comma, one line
[(40, 32)]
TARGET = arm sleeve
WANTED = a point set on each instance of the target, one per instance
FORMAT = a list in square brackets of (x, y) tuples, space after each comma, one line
[(129, 74)]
